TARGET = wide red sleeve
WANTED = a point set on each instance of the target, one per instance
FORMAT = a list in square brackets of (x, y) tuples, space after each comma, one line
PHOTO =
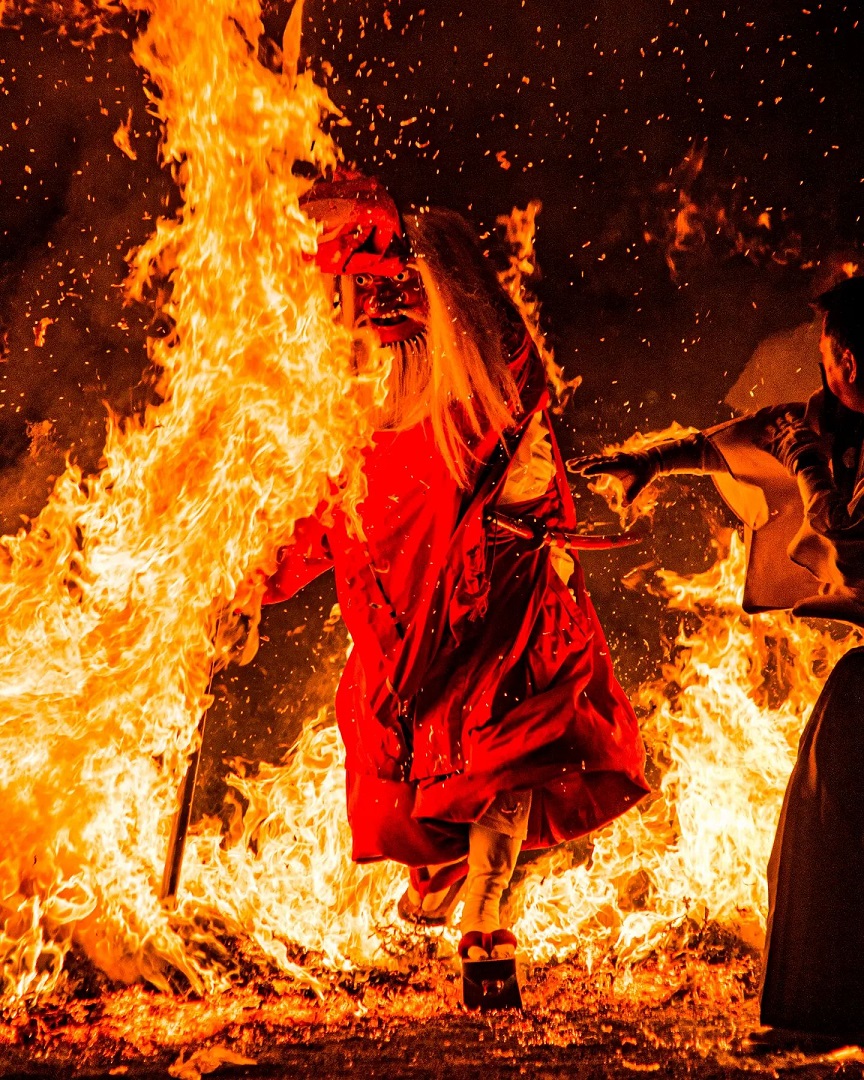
[(302, 560)]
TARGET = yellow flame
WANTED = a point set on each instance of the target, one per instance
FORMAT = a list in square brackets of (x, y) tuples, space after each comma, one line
[(122, 138), (725, 736), (289, 878), (39, 331), (117, 602), (611, 488), (520, 227), (721, 722)]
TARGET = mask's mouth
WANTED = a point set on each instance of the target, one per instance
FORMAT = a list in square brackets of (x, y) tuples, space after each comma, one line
[(394, 326)]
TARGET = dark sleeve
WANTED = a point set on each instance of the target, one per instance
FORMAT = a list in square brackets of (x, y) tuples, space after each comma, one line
[(692, 454), (827, 509)]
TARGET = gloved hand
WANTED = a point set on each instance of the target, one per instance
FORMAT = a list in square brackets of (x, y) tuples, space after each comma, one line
[(635, 471)]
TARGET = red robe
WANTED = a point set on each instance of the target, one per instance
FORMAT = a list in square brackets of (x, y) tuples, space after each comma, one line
[(475, 670)]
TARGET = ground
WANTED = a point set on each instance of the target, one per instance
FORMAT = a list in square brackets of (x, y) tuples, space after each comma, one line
[(685, 1016)]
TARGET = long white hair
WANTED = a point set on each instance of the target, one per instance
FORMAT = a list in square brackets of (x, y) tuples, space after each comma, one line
[(456, 373)]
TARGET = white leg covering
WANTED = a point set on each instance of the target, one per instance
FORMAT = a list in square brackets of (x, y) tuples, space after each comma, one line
[(491, 861), (493, 847)]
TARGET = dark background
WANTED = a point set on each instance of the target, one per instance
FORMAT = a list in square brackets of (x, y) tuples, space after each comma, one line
[(601, 109)]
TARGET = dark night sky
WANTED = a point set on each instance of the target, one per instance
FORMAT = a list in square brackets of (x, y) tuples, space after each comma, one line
[(590, 106)]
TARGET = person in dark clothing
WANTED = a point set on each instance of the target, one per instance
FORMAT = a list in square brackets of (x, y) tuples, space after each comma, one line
[(795, 475)]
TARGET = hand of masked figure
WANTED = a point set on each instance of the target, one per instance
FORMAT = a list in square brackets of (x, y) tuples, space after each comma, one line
[(634, 471), (238, 632)]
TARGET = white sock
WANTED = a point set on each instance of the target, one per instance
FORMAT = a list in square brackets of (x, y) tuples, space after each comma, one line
[(491, 861)]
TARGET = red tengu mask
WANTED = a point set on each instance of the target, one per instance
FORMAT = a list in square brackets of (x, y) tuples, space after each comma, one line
[(361, 228)]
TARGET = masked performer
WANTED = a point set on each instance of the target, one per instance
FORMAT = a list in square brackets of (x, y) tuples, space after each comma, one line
[(478, 707), (795, 475)]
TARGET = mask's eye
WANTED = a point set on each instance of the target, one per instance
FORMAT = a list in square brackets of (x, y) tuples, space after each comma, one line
[(362, 281), (403, 275)]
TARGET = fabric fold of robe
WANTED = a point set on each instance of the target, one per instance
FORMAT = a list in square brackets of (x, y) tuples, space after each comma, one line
[(475, 669), (789, 564)]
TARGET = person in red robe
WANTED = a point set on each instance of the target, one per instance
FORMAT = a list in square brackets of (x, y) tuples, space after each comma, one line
[(478, 707)]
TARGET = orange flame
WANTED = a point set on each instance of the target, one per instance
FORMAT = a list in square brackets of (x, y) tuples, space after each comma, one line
[(721, 734), (611, 488), (40, 330), (520, 227), (117, 602), (122, 138), (725, 735), (707, 219)]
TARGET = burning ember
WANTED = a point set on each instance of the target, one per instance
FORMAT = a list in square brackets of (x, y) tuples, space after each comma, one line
[(123, 597)]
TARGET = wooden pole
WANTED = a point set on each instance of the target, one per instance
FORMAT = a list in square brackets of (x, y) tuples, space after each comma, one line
[(185, 798), (180, 827)]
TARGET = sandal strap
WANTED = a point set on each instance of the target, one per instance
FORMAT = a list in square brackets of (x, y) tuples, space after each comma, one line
[(503, 937), (437, 916), (475, 939)]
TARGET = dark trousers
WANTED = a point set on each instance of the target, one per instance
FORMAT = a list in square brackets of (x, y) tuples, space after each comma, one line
[(813, 979)]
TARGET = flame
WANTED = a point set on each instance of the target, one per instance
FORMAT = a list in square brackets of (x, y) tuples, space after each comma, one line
[(688, 230), (288, 878), (40, 330), (117, 602), (705, 218), (722, 721), (611, 488), (520, 227), (122, 138)]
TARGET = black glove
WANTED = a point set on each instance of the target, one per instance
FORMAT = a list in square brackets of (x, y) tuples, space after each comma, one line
[(635, 470), (691, 454)]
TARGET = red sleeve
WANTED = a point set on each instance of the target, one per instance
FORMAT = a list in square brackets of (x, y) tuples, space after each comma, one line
[(527, 369), (305, 558)]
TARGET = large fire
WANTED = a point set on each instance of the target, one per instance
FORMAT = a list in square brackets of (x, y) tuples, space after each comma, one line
[(118, 602), (722, 723)]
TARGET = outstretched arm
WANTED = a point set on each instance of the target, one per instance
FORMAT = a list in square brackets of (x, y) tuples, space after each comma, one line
[(636, 469)]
